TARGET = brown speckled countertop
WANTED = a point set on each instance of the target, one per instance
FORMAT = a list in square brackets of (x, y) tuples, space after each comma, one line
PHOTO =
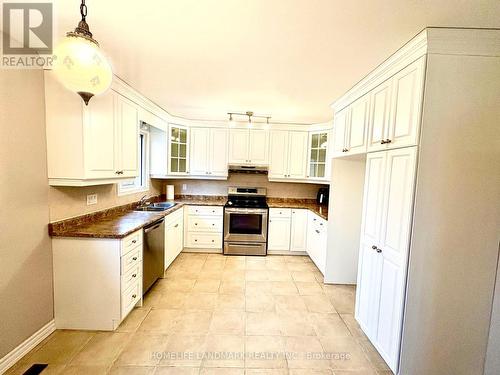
[(118, 222), (309, 204)]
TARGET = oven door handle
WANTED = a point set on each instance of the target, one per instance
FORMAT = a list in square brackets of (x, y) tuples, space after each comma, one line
[(246, 210)]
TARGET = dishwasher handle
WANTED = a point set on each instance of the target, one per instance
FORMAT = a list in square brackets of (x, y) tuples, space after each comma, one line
[(153, 226)]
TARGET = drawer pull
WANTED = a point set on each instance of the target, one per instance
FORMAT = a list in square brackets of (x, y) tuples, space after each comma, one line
[(317, 231), (176, 225), (195, 223), (195, 240), (213, 240), (134, 296), (213, 224), (134, 258), (134, 275)]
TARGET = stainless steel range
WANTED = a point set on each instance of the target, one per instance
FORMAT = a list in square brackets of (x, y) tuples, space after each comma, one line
[(245, 221)]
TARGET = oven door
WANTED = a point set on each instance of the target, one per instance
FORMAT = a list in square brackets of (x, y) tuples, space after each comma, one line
[(245, 224)]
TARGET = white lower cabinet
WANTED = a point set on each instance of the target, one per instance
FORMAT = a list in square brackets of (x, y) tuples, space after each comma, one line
[(174, 235), (203, 227), (97, 281), (384, 244), (316, 240), (298, 235), (279, 229)]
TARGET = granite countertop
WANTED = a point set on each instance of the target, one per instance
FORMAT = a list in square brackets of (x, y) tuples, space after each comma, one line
[(309, 204), (118, 222)]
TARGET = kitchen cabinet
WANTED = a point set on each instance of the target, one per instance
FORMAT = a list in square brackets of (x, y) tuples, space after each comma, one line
[(203, 227), (248, 146), (351, 128), (288, 154), (208, 152), (318, 162), (316, 240), (174, 235), (178, 156), (298, 235), (89, 145), (384, 244), (97, 281), (279, 229), (395, 111)]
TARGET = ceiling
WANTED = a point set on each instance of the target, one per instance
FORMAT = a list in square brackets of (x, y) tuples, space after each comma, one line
[(287, 58)]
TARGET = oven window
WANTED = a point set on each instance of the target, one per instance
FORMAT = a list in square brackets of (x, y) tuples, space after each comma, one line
[(245, 224)]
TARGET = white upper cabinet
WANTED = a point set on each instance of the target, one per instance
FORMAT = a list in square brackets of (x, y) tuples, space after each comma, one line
[(178, 156), (89, 145), (248, 146), (358, 126), (339, 131), (406, 106), (318, 163), (208, 152), (288, 154), (380, 116)]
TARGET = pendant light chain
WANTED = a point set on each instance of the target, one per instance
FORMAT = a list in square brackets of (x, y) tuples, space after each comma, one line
[(83, 10)]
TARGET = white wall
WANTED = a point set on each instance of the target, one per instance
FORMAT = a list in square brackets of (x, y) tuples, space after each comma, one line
[(454, 247), (25, 248), (344, 220)]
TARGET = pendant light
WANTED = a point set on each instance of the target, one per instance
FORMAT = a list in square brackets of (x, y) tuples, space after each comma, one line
[(79, 63)]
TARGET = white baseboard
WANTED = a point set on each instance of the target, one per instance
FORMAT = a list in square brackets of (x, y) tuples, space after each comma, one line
[(20, 351)]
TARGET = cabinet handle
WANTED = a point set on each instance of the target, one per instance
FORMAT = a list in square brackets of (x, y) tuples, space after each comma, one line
[(382, 142), (195, 240), (388, 141), (176, 225), (376, 249), (317, 231), (213, 224), (213, 240), (134, 295), (134, 275), (134, 258), (195, 223), (134, 241)]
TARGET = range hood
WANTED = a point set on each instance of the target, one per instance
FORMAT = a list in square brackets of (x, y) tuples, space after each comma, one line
[(249, 169)]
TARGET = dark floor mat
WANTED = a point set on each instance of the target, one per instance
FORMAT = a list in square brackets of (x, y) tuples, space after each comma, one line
[(36, 369)]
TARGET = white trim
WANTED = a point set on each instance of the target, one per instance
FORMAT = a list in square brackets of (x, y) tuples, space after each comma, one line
[(133, 189), (31, 342), (84, 182)]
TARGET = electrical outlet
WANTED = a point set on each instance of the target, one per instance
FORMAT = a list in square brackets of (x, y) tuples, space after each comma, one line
[(184, 187), (91, 199)]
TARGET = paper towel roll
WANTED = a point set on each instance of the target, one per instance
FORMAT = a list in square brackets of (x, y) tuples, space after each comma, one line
[(170, 192)]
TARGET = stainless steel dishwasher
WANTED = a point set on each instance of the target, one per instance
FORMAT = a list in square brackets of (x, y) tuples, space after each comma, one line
[(153, 254)]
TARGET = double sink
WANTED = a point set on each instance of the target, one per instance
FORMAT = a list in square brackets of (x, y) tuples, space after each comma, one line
[(158, 207)]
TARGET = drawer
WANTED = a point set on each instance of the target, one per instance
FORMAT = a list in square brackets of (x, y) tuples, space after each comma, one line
[(205, 210), (204, 240), (131, 259), (204, 224), (131, 241), (130, 297), (280, 212), (132, 276)]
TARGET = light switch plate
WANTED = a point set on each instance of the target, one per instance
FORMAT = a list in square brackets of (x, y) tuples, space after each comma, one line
[(91, 199), (184, 187)]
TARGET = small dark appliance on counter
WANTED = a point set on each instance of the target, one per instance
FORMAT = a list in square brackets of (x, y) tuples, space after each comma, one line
[(322, 197)]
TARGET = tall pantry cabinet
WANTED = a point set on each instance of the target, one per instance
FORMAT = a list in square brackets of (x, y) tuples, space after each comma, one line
[(428, 227)]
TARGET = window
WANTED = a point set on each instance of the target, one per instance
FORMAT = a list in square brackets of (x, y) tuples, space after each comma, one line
[(141, 182), (317, 163)]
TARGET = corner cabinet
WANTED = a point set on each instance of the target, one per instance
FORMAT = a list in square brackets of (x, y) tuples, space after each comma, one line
[(178, 156), (249, 146), (89, 145), (318, 165)]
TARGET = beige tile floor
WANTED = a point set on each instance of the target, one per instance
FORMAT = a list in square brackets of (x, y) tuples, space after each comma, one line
[(213, 314)]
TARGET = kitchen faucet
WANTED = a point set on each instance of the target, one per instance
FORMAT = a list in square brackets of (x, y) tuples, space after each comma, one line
[(142, 201)]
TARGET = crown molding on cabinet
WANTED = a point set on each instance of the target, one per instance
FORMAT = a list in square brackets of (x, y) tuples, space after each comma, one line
[(432, 40)]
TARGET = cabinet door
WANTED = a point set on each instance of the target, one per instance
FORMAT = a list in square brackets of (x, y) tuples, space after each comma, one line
[(379, 116), (238, 146), (278, 155), (258, 147), (339, 131), (298, 238), (127, 135), (178, 160), (297, 154), (218, 152), (318, 155), (369, 265), (321, 258), (170, 244), (100, 138), (358, 126), (279, 234), (198, 144), (407, 91), (394, 245)]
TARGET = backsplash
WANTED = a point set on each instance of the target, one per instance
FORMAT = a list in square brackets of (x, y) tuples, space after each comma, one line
[(219, 187), (66, 202)]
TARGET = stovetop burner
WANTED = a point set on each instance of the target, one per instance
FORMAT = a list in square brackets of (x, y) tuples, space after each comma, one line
[(246, 197)]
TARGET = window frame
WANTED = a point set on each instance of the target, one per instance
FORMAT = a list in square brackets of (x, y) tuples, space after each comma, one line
[(141, 183)]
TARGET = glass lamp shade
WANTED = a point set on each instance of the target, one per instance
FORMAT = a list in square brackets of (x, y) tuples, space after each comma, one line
[(81, 67)]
